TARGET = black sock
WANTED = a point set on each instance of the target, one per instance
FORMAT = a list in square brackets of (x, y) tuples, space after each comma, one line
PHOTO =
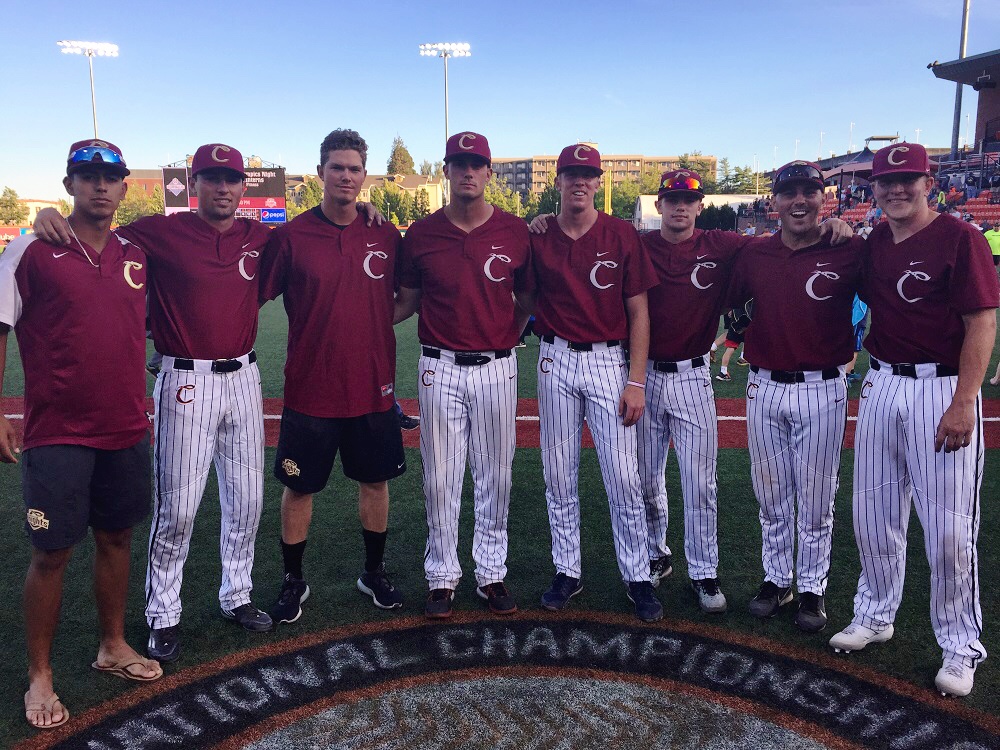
[(292, 555), (374, 548)]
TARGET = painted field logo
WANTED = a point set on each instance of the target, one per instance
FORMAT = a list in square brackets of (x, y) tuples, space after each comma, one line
[(533, 681)]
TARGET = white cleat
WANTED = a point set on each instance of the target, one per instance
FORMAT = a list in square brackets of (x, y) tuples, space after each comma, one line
[(956, 676), (855, 637)]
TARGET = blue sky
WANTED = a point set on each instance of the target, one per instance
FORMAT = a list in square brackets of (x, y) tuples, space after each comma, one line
[(732, 79)]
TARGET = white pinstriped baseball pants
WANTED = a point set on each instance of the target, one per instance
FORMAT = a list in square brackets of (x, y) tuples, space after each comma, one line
[(894, 464), (201, 419), (573, 386), (795, 433), (680, 406), (467, 410)]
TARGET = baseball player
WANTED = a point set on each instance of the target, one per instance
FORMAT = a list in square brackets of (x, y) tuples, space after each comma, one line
[(933, 293), (79, 312), (798, 345), (203, 301), (332, 268), (462, 268), (592, 274)]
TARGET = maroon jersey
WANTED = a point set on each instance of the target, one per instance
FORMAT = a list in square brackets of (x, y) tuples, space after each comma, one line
[(467, 280), (582, 284), (81, 332), (338, 286), (203, 284), (684, 307), (920, 288), (802, 302)]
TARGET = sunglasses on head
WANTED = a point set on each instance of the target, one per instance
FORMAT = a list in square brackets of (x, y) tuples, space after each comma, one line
[(681, 183), (96, 154), (799, 172)]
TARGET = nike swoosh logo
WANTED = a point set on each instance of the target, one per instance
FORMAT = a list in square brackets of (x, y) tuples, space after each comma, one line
[(702, 256), (59, 255), (838, 400), (600, 254), (373, 244), (821, 264), (401, 465), (915, 262), (245, 246), (496, 247)]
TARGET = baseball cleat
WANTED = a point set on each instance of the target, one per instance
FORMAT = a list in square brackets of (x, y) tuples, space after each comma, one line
[(769, 600), (288, 608), (811, 617), (725, 377), (499, 599), (249, 618), (710, 597), (660, 568), (438, 605), (377, 585), (855, 637), (563, 589), (647, 606), (164, 644), (407, 422), (956, 676)]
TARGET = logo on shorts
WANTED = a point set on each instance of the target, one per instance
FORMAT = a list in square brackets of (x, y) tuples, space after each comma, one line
[(752, 391), (291, 468), (864, 388), (37, 520), (593, 273), (427, 378), (545, 365), (182, 392)]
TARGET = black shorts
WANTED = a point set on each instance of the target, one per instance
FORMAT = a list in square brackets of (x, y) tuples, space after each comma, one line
[(370, 446), (996, 260), (67, 488)]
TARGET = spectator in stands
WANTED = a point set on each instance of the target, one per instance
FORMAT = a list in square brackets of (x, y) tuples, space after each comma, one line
[(750, 231), (942, 201), (992, 235), (863, 229)]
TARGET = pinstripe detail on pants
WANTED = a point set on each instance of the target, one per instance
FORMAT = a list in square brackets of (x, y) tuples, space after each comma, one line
[(681, 407), (573, 386), (467, 411), (201, 419), (895, 465), (795, 433)]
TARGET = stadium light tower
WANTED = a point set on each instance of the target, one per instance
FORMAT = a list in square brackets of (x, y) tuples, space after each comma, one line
[(444, 50), (90, 49)]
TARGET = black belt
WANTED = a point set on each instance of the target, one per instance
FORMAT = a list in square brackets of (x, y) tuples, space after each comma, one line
[(218, 365), (468, 359), (672, 366), (578, 347), (910, 371), (797, 376)]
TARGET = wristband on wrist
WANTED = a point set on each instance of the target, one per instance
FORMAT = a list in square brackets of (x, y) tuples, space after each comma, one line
[(637, 385)]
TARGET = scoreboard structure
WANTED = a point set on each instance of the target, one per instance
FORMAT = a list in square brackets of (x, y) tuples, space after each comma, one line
[(264, 199)]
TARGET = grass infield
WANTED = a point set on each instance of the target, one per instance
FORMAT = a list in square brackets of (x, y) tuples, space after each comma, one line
[(334, 555)]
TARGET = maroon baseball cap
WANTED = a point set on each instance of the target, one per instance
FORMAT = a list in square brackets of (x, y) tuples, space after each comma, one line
[(468, 143), (901, 158), (798, 172), (94, 152), (680, 181), (217, 156), (579, 155)]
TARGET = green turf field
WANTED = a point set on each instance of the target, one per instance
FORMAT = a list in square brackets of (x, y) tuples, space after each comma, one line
[(333, 560)]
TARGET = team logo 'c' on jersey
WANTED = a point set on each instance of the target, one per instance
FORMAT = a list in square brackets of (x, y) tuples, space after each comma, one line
[(918, 275), (593, 273), (367, 263), (489, 262)]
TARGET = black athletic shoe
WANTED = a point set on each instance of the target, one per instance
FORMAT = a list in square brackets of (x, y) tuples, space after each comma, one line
[(660, 568), (288, 608), (249, 618), (164, 644), (438, 605), (407, 422), (647, 606), (710, 596), (725, 377), (811, 616), (770, 599), (378, 586), (563, 589), (499, 599)]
